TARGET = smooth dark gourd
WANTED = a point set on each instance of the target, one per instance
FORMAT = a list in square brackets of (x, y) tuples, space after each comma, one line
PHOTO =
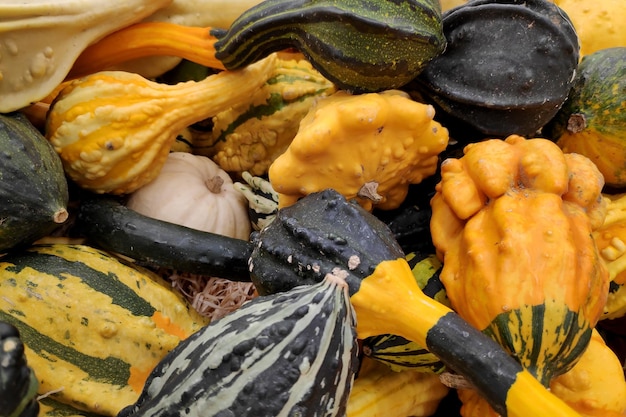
[(360, 45), (33, 189), (507, 68)]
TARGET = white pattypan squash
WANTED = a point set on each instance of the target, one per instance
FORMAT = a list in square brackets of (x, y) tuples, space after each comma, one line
[(193, 191)]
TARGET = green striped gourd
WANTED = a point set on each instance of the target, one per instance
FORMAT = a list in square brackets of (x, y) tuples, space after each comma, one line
[(360, 45), (93, 327), (396, 351), (289, 354)]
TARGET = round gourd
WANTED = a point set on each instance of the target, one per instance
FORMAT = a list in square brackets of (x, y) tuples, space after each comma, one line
[(599, 23), (193, 191), (33, 189), (592, 121), (507, 67)]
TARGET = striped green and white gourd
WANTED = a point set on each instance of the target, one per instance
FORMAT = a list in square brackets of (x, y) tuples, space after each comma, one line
[(93, 326), (287, 354), (360, 45)]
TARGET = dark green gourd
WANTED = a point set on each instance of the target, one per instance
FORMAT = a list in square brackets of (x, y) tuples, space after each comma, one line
[(18, 383), (507, 68), (289, 354), (33, 189), (360, 45)]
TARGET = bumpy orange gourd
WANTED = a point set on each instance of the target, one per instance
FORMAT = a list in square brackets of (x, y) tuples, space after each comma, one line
[(611, 241), (369, 147), (513, 220)]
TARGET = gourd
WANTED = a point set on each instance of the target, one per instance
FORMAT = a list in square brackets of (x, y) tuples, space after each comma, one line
[(189, 13), (193, 191), (610, 238), (324, 234), (40, 41), (293, 353), (109, 224), (18, 383), (599, 24), (33, 188), (250, 136), (261, 197), (370, 147), (113, 130), (512, 222), (401, 354), (145, 40), (378, 392), (594, 387), (340, 238), (93, 326), (591, 121), (484, 83), (361, 46)]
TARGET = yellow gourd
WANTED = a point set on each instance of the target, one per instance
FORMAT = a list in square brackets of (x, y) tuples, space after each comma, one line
[(512, 221), (611, 241), (370, 147), (113, 130), (598, 23), (380, 392)]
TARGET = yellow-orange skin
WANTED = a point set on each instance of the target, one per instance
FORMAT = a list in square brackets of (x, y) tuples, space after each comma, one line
[(512, 222), (347, 141)]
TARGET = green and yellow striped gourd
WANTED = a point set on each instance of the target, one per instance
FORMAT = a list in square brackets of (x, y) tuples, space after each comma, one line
[(93, 326)]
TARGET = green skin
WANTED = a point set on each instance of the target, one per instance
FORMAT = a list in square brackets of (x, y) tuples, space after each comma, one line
[(361, 46)]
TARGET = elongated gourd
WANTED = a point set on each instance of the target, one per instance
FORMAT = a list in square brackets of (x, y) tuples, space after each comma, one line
[(360, 45), (113, 130), (39, 41), (93, 327), (288, 354)]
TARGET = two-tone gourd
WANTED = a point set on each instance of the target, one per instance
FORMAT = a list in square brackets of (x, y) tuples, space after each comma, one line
[(592, 121), (291, 354), (512, 221), (93, 326), (358, 45)]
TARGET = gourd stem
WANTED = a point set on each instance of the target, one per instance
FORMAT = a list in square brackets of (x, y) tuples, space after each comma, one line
[(148, 39)]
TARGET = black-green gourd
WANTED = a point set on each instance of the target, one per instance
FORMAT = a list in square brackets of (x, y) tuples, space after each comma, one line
[(360, 45)]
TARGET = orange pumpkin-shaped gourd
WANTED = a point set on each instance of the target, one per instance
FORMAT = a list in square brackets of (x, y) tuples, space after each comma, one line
[(512, 221)]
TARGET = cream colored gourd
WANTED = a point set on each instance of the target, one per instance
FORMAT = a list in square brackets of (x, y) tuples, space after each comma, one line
[(40, 39), (194, 191)]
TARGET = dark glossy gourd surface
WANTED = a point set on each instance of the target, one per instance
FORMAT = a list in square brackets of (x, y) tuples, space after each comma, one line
[(507, 68)]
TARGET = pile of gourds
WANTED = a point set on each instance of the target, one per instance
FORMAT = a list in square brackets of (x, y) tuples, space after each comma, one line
[(420, 202)]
